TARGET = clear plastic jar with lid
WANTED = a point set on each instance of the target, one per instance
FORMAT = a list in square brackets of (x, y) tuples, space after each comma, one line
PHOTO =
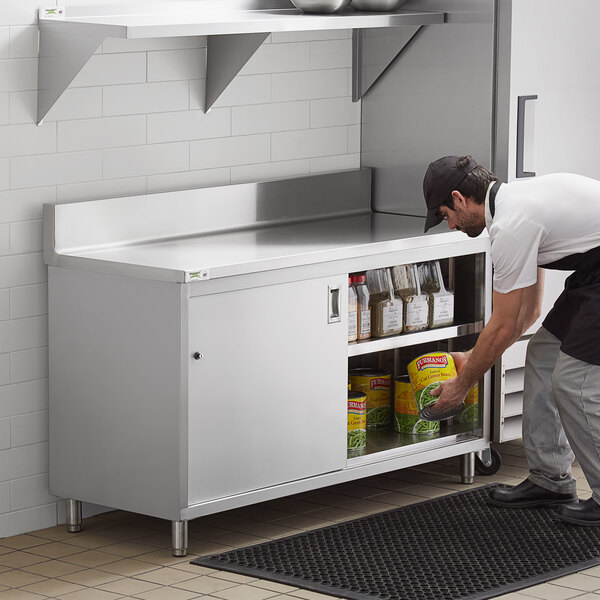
[(416, 304), (386, 308), (441, 304), (363, 308), (352, 312), (403, 279), (428, 277)]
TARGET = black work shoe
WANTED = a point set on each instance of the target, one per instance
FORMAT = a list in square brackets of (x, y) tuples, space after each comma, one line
[(528, 495), (586, 512)]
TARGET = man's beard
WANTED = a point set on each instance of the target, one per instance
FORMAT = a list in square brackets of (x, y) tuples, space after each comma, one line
[(471, 226)]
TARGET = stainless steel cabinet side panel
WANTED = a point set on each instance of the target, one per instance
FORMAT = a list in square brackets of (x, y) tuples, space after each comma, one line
[(114, 408), (436, 98)]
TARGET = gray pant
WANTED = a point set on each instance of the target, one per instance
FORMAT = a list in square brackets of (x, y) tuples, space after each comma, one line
[(561, 416)]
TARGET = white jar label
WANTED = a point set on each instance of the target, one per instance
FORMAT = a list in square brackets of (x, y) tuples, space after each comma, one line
[(416, 313), (365, 322), (352, 325), (443, 308), (391, 317)]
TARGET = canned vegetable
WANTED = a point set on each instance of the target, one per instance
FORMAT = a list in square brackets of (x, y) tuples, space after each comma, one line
[(377, 385), (357, 423)]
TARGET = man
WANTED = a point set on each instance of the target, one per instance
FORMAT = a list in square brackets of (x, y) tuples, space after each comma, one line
[(551, 221)]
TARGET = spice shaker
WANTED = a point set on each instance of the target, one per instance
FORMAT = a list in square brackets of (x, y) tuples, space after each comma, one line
[(386, 308), (416, 304), (352, 312), (363, 308), (441, 309)]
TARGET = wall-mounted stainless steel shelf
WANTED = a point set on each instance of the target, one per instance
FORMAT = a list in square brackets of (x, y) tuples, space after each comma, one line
[(236, 28)]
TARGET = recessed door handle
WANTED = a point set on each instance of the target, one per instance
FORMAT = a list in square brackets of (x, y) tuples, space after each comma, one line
[(334, 315), (521, 100)]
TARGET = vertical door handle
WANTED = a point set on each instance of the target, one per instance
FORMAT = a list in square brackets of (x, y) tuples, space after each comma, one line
[(521, 100), (333, 312)]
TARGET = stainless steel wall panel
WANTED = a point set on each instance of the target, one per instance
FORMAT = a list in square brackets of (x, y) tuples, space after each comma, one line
[(436, 98)]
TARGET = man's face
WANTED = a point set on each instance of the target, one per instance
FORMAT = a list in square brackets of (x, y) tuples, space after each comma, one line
[(466, 216)]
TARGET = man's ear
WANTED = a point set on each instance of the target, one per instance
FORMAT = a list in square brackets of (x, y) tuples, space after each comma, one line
[(458, 198)]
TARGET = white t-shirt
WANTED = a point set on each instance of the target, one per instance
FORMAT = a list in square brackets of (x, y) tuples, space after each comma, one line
[(540, 220)]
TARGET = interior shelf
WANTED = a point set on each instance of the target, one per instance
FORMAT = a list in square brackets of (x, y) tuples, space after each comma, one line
[(410, 339), (385, 443), (70, 35)]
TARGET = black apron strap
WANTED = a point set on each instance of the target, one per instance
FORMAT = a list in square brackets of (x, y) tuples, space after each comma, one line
[(493, 193), (575, 316)]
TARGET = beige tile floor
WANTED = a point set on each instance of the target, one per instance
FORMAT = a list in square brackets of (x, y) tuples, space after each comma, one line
[(122, 555)]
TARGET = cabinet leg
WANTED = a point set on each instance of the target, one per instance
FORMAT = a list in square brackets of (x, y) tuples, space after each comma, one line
[(179, 537), (73, 515), (467, 468)]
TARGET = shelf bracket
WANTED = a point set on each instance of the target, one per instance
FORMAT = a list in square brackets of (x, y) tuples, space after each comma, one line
[(373, 52), (62, 56), (225, 57)]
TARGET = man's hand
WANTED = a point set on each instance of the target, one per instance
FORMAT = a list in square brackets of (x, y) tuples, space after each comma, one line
[(512, 314), (451, 394), (451, 389), (460, 359)]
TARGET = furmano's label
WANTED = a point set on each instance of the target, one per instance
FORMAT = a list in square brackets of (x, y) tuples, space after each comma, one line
[(379, 383), (357, 414), (404, 399), (432, 362)]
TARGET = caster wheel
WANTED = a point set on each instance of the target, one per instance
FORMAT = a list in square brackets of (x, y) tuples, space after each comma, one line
[(482, 469)]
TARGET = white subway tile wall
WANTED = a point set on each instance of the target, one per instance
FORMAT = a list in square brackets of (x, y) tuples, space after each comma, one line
[(4, 108), (4, 304), (19, 205), (96, 190), (132, 122), (4, 239), (31, 427), (4, 42), (23, 42), (4, 490), (25, 237), (4, 174), (4, 434), (4, 380)]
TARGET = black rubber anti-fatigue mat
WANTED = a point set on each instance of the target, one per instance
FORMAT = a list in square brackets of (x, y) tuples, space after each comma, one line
[(452, 547)]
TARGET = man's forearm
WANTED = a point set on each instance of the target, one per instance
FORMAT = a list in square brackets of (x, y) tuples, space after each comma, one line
[(491, 343), (531, 306), (513, 315)]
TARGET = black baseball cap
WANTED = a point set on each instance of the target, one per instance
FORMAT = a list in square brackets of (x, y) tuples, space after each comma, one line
[(442, 177)]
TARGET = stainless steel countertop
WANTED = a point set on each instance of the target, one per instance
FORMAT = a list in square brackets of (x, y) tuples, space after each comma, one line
[(252, 250)]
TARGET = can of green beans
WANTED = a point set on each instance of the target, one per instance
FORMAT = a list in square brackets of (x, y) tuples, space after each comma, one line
[(470, 414), (377, 385), (357, 423), (406, 413)]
